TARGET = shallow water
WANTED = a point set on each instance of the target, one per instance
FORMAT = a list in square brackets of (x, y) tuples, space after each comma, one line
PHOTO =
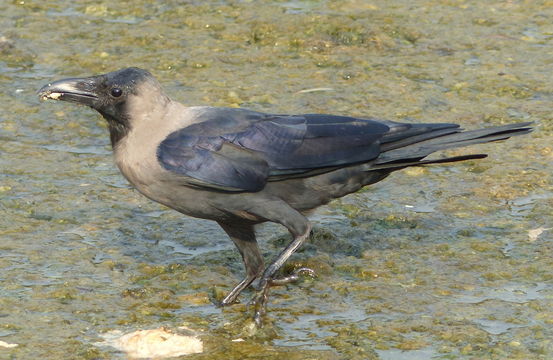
[(434, 262)]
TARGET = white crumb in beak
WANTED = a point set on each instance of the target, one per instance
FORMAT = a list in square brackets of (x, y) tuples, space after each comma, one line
[(54, 96)]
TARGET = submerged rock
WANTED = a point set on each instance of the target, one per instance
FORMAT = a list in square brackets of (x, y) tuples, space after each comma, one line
[(7, 345), (155, 343)]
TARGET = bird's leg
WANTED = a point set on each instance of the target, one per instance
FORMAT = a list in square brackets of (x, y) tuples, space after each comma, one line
[(242, 233), (260, 299), (243, 236)]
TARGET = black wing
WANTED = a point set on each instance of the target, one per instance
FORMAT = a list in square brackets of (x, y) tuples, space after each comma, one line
[(239, 150)]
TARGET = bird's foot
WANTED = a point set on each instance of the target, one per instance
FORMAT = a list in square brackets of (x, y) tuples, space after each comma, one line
[(232, 296), (226, 302), (259, 301), (230, 299), (295, 276), (260, 305)]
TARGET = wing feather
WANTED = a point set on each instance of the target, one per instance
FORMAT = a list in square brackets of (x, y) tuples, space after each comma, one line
[(239, 150)]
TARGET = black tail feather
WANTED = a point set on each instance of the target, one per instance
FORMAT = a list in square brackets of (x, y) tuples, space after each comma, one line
[(403, 164), (414, 148)]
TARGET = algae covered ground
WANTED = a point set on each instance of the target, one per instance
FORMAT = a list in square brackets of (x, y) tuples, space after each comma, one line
[(442, 262)]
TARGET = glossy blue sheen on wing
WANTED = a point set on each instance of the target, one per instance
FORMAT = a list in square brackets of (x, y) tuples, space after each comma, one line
[(239, 150)]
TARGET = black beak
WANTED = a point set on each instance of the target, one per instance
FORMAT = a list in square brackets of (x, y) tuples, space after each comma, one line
[(79, 90)]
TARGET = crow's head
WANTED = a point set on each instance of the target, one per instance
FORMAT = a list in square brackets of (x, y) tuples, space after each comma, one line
[(118, 96)]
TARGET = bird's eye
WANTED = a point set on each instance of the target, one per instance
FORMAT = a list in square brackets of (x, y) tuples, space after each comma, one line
[(116, 92)]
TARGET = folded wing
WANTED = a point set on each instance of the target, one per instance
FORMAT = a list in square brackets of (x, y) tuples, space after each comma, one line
[(239, 150)]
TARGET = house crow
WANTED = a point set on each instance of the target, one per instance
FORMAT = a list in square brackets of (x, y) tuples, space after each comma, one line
[(240, 167)]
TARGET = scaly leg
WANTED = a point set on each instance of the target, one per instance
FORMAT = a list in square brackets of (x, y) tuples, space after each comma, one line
[(266, 281), (243, 236)]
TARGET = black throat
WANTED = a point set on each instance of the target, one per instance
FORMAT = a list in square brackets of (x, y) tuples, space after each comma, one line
[(118, 128)]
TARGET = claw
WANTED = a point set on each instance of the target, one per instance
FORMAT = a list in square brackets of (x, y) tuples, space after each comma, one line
[(295, 276), (259, 301), (224, 303)]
